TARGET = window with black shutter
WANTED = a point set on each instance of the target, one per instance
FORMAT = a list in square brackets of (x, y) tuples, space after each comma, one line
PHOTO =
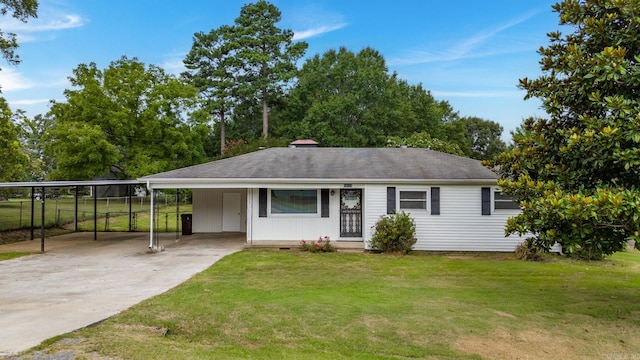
[(486, 201), (391, 200), (262, 202), (324, 203), (435, 201)]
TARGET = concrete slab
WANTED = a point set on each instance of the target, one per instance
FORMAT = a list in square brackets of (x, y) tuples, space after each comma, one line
[(79, 281)]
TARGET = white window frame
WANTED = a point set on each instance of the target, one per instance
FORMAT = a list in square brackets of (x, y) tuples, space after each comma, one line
[(425, 191), (495, 200), (318, 204)]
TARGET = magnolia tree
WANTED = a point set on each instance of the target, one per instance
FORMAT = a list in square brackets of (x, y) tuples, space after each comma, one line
[(576, 174)]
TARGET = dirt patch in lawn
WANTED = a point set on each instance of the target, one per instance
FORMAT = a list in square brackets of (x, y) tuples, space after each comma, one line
[(529, 344), (541, 344)]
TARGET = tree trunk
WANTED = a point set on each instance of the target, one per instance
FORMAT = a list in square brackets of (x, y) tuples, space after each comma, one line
[(265, 116), (223, 140)]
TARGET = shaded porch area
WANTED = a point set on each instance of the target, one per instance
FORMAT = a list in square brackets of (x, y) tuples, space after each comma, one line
[(123, 243)]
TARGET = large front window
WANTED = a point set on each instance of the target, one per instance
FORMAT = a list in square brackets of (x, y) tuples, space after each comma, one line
[(294, 201)]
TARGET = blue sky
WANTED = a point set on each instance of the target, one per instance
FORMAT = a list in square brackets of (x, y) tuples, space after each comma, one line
[(469, 53)]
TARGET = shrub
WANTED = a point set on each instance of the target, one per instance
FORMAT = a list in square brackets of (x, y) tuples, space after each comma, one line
[(394, 233), (528, 250), (323, 244)]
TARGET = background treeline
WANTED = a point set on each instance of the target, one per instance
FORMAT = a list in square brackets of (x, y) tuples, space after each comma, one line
[(245, 86)]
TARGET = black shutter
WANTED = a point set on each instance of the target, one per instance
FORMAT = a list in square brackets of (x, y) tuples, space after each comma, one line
[(391, 200), (486, 201), (262, 202), (435, 201), (324, 203)]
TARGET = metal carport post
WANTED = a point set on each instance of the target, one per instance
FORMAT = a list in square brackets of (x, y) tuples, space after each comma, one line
[(42, 220)]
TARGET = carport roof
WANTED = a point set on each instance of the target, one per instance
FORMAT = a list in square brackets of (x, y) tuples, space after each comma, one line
[(373, 164), (70, 183)]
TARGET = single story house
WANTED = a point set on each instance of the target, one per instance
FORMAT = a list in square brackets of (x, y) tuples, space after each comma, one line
[(284, 195)]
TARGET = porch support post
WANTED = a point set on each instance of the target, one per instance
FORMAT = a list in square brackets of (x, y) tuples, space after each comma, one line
[(75, 211), (95, 212), (33, 190), (130, 207), (177, 212), (151, 218), (42, 222)]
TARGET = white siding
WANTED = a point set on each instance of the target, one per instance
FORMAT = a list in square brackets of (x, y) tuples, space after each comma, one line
[(375, 206), (207, 209), (292, 227), (460, 225)]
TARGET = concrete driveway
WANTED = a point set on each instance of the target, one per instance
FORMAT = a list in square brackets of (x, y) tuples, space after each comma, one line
[(79, 281)]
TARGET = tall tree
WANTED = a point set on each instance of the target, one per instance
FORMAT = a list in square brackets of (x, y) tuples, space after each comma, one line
[(424, 140), (33, 131), (128, 121), (577, 173), (344, 98), (212, 69), (266, 53), (14, 159), (478, 138)]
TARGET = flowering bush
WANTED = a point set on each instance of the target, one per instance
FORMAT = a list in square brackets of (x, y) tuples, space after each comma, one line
[(394, 233), (323, 244)]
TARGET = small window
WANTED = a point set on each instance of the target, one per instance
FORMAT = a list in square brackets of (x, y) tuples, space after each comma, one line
[(486, 200), (391, 200), (435, 201), (411, 200), (262, 202), (294, 201), (503, 201)]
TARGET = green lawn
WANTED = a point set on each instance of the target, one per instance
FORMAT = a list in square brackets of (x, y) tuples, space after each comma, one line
[(113, 215), (294, 305)]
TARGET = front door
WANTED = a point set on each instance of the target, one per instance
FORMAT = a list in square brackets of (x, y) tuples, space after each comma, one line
[(231, 212), (351, 213)]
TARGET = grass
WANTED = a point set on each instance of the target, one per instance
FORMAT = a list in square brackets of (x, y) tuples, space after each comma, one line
[(298, 305), (12, 255), (16, 214), (165, 221)]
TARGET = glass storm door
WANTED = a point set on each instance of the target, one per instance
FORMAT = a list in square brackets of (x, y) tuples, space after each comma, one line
[(351, 213)]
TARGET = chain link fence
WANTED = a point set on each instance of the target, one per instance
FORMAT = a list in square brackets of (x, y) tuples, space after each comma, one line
[(112, 213)]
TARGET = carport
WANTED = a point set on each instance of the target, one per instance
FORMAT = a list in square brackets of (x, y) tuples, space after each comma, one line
[(42, 186)]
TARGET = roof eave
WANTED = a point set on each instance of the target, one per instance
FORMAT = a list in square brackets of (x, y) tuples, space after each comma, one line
[(261, 182), (69, 183)]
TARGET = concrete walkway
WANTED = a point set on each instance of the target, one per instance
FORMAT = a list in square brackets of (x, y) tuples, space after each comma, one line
[(79, 281)]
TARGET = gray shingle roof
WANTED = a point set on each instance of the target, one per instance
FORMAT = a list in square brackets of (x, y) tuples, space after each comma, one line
[(337, 163)]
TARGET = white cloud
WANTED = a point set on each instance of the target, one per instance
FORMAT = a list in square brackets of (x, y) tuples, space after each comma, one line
[(29, 101), (66, 21), (314, 20), (174, 65), (465, 49), (11, 80), (300, 35), (45, 23)]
